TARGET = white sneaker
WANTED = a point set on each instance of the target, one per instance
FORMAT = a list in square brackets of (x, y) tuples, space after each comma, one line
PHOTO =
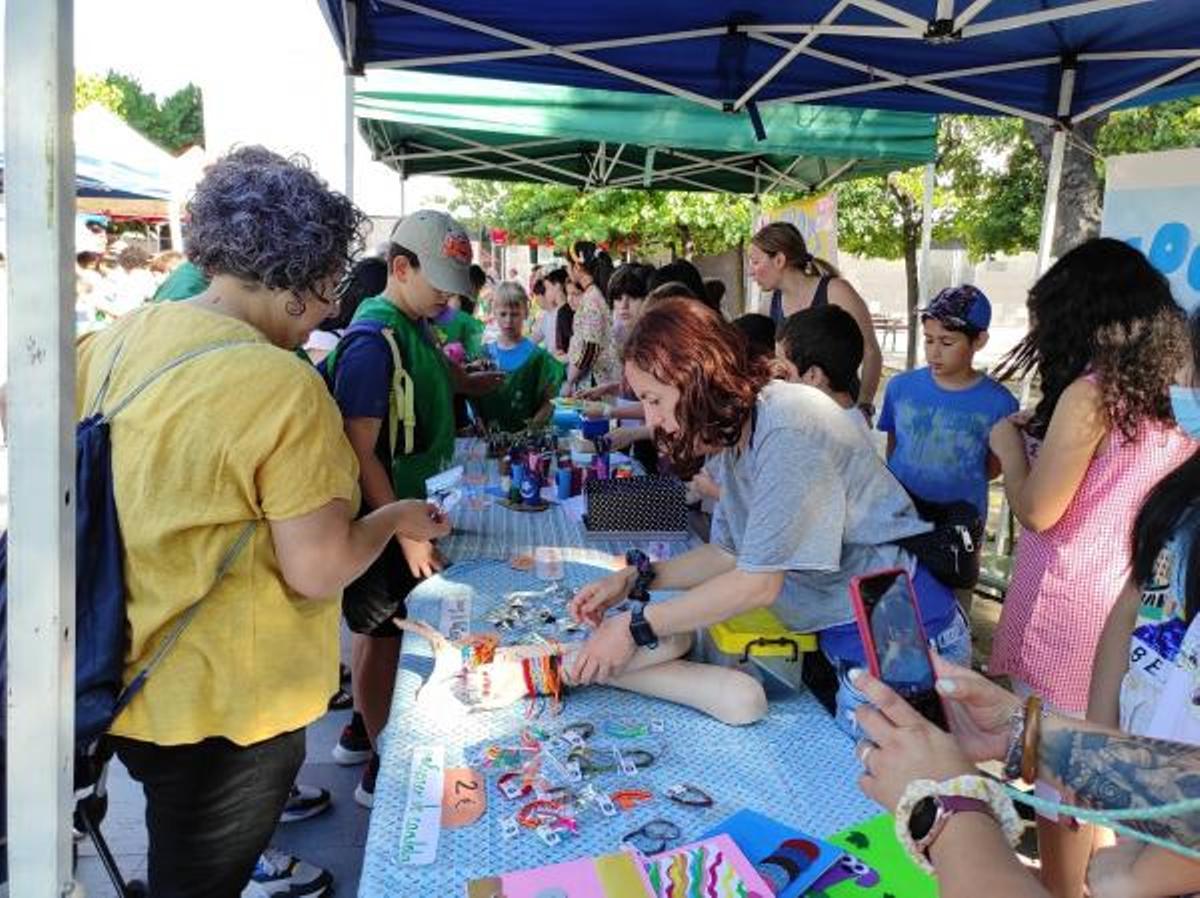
[(280, 875)]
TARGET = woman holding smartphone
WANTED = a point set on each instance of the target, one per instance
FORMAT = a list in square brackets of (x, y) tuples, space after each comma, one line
[(806, 505)]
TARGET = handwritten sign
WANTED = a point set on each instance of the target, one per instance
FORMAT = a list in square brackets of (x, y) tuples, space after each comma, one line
[(464, 797), (422, 821)]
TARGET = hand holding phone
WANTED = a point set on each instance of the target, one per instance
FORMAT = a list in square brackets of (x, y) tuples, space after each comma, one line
[(894, 641)]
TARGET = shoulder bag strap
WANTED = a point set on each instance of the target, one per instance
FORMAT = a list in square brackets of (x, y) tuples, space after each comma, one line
[(227, 560), (158, 372), (403, 399)]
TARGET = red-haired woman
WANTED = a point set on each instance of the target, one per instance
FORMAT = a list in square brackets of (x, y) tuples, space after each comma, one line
[(806, 504)]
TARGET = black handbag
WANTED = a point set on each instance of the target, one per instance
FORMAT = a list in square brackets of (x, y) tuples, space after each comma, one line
[(951, 550), (636, 506)]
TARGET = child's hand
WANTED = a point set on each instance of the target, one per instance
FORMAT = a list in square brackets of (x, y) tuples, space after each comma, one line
[(1006, 442), (705, 486), (590, 603), (621, 438), (421, 521)]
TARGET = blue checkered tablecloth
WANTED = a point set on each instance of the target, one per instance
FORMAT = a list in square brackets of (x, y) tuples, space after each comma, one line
[(794, 765)]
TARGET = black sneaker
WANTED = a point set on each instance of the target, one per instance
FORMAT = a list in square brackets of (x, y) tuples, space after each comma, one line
[(304, 802), (341, 700), (364, 792), (280, 875), (353, 746)]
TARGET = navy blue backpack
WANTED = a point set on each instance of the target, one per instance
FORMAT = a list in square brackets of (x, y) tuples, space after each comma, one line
[(101, 629)]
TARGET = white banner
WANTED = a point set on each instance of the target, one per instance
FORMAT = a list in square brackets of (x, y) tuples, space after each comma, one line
[(1152, 202)]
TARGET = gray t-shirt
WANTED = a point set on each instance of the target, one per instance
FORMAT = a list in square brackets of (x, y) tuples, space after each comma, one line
[(811, 497)]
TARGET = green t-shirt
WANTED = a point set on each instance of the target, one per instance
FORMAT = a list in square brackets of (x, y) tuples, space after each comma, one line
[(464, 329), (184, 282), (523, 393), (433, 398)]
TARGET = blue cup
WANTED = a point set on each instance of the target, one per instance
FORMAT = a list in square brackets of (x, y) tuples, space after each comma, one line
[(518, 474), (562, 479)]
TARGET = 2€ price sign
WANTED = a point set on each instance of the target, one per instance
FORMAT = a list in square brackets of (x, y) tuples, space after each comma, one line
[(464, 797)]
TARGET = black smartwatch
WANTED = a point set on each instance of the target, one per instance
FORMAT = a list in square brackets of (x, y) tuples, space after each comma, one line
[(641, 631), (639, 560)]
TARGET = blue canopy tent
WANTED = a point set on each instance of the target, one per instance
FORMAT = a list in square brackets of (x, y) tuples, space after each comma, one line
[(1055, 62)]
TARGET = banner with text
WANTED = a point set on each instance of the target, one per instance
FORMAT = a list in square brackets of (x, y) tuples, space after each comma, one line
[(1152, 202)]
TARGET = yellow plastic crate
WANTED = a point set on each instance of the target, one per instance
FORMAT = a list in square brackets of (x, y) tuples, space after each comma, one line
[(761, 634)]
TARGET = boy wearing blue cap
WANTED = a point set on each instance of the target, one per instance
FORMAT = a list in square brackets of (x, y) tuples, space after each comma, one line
[(938, 418)]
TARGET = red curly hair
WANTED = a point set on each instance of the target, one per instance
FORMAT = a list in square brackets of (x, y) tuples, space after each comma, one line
[(685, 344)]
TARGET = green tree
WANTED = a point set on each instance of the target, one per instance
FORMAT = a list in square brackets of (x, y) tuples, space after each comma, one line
[(684, 223), (175, 123), (91, 89)]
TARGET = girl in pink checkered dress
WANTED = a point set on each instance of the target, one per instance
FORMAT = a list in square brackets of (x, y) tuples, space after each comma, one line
[(1106, 340)]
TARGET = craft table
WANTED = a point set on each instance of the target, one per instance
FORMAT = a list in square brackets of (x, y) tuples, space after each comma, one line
[(794, 766)]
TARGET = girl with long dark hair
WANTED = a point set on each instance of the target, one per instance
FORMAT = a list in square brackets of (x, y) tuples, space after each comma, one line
[(592, 357), (1107, 340)]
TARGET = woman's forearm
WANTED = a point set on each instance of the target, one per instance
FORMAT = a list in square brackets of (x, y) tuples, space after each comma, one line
[(972, 859), (872, 370), (692, 568), (717, 599)]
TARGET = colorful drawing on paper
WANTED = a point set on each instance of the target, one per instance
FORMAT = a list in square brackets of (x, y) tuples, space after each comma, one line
[(714, 868), (790, 861)]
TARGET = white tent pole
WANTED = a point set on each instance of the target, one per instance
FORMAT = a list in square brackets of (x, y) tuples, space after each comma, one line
[(1048, 15), (349, 150), (968, 15), (40, 154), (1058, 150), (403, 190), (1139, 90), (926, 235), (785, 60)]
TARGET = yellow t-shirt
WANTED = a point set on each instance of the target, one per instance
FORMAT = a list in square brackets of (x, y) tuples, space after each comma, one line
[(240, 434)]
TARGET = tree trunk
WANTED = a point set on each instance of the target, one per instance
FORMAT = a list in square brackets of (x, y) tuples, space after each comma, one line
[(1080, 197), (910, 226)]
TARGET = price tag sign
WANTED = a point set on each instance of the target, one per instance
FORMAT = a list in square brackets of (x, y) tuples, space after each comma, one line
[(454, 621), (464, 797)]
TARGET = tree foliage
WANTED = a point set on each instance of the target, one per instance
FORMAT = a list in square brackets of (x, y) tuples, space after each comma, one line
[(650, 220), (174, 123)]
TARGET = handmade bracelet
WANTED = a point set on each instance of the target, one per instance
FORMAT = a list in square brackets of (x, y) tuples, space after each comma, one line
[(1012, 752), (641, 562), (516, 792), (981, 788), (1031, 739), (627, 799), (692, 796)]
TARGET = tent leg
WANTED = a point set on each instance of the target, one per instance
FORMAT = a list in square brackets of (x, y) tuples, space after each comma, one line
[(1058, 149), (923, 271), (349, 150), (39, 96)]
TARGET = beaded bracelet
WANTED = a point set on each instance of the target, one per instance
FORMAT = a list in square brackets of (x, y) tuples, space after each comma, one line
[(970, 786)]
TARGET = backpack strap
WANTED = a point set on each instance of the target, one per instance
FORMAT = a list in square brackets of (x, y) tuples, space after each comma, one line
[(402, 399), (156, 374), (231, 555)]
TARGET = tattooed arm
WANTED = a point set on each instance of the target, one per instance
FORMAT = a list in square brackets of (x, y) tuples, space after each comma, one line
[(1115, 771)]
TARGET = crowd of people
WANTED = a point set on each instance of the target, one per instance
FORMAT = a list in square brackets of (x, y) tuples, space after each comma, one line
[(767, 417)]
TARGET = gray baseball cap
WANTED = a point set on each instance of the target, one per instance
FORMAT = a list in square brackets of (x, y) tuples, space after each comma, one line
[(441, 246)]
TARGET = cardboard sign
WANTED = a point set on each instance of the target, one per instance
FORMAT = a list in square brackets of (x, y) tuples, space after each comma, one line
[(464, 797)]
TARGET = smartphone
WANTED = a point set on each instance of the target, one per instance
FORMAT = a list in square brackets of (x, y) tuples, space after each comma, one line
[(897, 651)]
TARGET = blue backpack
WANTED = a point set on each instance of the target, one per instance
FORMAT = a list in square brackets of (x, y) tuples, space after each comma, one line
[(101, 628)]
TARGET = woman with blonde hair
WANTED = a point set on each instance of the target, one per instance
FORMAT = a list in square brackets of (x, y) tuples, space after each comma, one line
[(781, 263)]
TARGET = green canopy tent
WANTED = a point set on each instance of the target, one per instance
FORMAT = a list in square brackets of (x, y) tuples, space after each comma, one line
[(479, 128)]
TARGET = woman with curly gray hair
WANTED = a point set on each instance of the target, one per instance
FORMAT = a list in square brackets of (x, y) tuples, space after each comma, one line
[(235, 450)]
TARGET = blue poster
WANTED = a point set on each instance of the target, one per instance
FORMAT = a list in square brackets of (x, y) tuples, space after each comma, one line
[(1152, 202)]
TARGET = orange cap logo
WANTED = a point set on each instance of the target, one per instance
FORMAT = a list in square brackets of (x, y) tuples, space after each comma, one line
[(455, 245)]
